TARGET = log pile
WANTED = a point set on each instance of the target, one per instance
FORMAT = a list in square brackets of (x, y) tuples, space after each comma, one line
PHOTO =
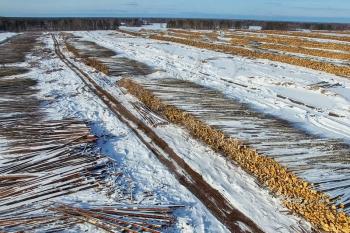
[(121, 218), (316, 65), (90, 61), (46, 165), (58, 159), (298, 195), (295, 46), (129, 32), (98, 65), (306, 51), (307, 34), (148, 115), (292, 41)]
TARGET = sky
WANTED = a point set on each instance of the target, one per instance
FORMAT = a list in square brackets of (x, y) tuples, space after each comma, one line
[(286, 10)]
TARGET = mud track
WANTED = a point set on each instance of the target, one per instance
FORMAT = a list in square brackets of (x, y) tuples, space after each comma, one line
[(218, 205)]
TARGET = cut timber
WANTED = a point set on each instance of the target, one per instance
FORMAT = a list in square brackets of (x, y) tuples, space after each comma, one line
[(298, 195)]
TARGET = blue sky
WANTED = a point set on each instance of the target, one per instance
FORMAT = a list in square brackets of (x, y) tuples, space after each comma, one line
[(311, 10)]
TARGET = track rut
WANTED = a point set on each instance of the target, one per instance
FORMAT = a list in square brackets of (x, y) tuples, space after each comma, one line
[(216, 203)]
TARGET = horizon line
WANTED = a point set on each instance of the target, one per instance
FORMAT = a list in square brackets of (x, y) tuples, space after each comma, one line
[(288, 19)]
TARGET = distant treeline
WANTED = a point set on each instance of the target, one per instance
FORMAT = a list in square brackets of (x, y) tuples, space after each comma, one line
[(57, 24), (212, 24), (75, 24)]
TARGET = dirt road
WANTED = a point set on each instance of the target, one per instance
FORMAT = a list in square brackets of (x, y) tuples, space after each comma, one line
[(221, 208)]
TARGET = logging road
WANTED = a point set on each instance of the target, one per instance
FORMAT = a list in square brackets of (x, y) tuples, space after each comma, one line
[(218, 205)]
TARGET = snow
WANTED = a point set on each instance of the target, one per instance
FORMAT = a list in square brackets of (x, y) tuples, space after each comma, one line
[(334, 33), (235, 184), (259, 83), (322, 40), (255, 82), (255, 28), (339, 62), (312, 98), (154, 26), (73, 99), (6, 35), (344, 92), (313, 101)]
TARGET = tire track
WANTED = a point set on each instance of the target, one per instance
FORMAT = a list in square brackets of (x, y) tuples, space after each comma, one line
[(217, 204)]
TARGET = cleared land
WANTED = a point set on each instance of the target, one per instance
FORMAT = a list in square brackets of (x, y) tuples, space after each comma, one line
[(247, 46), (231, 134)]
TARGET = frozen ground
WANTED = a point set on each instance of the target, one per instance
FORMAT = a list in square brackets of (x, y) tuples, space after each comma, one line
[(154, 26), (315, 101), (235, 184), (73, 99), (293, 36), (232, 182), (317, 160)]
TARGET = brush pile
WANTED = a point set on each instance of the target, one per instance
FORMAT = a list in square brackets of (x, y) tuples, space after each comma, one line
[(297, 195)]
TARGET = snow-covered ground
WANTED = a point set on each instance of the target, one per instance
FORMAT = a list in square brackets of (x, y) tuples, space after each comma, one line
[(235, 184), (322, 40), (5, 35), (74, 99), (154, 26), (334, 34), (315, 101)]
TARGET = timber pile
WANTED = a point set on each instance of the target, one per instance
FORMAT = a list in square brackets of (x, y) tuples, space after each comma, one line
[(53, 159), (104, 60), (306, 51), (299, 45), (121, 218), (185, 35), (129, 32), (292, 41), (16, 48), (307, 35), (90, 61), (46, 164), (93, 62), (298, 195), (293, 46), (148, 115), (316, 65), (199, 34)]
